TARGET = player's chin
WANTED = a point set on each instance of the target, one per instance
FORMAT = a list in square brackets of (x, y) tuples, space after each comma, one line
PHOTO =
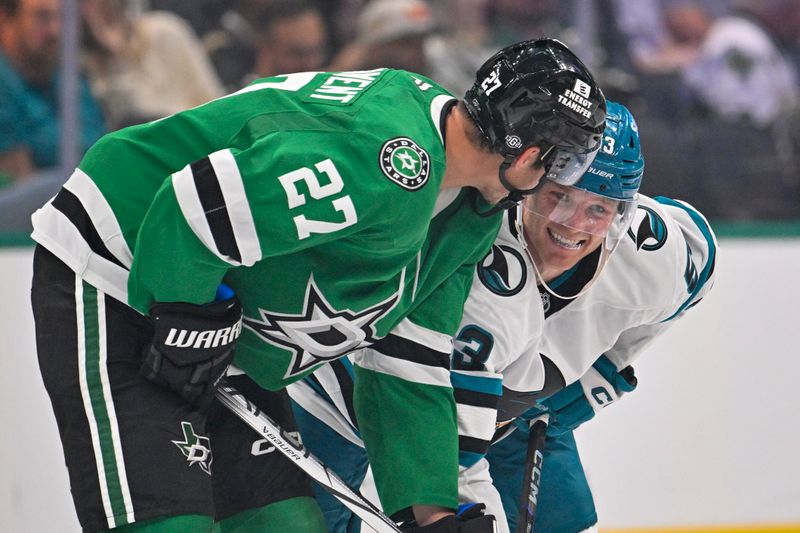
[(493, 197)]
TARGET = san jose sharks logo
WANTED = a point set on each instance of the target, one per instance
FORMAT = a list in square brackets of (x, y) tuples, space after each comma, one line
[(195, 448), (648, 230), (405, 163), (503, 270), (320, 333)]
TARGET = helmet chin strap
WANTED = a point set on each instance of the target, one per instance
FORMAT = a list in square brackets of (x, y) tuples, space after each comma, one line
[(601, 262), (514, 196)]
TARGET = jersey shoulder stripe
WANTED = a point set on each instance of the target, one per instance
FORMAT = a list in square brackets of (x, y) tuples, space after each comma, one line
[(696, 281)]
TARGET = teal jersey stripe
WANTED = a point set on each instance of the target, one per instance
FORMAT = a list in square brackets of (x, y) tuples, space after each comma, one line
[(482, 384), (467, 459), (712, 250), (99, 408), (564, 276)]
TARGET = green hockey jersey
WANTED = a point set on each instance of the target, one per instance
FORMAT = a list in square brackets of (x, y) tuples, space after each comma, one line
[(316, 197)]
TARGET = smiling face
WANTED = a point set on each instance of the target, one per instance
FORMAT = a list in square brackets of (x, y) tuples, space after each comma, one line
[(565, 224)]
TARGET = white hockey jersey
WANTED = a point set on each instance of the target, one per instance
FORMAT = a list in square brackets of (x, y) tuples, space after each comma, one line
[(515, 336), (519, 342)]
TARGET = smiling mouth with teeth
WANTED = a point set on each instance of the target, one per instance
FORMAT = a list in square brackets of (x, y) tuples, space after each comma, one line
[(563, 242)]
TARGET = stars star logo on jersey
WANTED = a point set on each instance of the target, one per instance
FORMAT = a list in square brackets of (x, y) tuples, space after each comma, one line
[(195, 448), (405, 163), (320, 333)]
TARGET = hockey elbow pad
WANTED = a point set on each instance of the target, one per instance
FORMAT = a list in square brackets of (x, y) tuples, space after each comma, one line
[(192, 346)]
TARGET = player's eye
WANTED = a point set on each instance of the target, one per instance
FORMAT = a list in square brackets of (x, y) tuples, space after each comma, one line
[(598, 210)]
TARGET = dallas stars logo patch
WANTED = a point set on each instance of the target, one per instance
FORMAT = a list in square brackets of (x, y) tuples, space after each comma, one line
[(320, 333), (405, 163), (195, 448)]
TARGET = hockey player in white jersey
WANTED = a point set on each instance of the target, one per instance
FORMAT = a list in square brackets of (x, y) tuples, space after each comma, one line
[(578, 282)]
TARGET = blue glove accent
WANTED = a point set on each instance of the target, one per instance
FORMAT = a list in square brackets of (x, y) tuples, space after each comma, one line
[(224, 293), (464, 507)]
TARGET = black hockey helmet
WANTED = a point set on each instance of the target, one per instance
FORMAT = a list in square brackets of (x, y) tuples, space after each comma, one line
[(539, 93)]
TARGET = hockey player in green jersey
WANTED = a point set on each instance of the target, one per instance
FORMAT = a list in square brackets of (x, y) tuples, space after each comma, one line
[(345, 210)]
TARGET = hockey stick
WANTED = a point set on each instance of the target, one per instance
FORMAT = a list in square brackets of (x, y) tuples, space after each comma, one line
[(533, 474), (295, 451)]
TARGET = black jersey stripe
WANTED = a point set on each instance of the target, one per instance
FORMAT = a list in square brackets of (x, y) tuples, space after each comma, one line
[(209, 192), (72, 208), (446, 108), (472, 444), (346, 386), (408, 350), (475, 399)]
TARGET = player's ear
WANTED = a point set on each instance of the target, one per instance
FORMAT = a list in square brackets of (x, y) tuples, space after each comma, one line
[(528, 157)]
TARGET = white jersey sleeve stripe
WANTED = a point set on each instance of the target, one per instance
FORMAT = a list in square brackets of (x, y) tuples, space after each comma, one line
[(55, 231), (371, 359), (101, 215), (476, 422), (244, 228), (434, 340), (189, 201)]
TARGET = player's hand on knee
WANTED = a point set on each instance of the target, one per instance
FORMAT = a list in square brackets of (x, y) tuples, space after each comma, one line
[(469, 519), (192, 346), (598, 388)]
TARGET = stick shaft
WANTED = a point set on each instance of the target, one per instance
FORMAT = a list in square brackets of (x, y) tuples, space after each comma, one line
[(529, 499), (231, 398)]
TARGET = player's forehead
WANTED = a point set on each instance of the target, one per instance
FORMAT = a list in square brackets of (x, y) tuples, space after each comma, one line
[(575, 193)]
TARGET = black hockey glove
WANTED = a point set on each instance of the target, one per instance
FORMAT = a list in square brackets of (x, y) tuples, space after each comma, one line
[(470, 519), (192, 346)]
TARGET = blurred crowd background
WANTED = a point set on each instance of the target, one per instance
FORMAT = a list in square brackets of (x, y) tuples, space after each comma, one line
[(713, 83)]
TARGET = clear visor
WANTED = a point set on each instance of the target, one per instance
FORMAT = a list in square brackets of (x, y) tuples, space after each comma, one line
[(582, 211), (566, 168)]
